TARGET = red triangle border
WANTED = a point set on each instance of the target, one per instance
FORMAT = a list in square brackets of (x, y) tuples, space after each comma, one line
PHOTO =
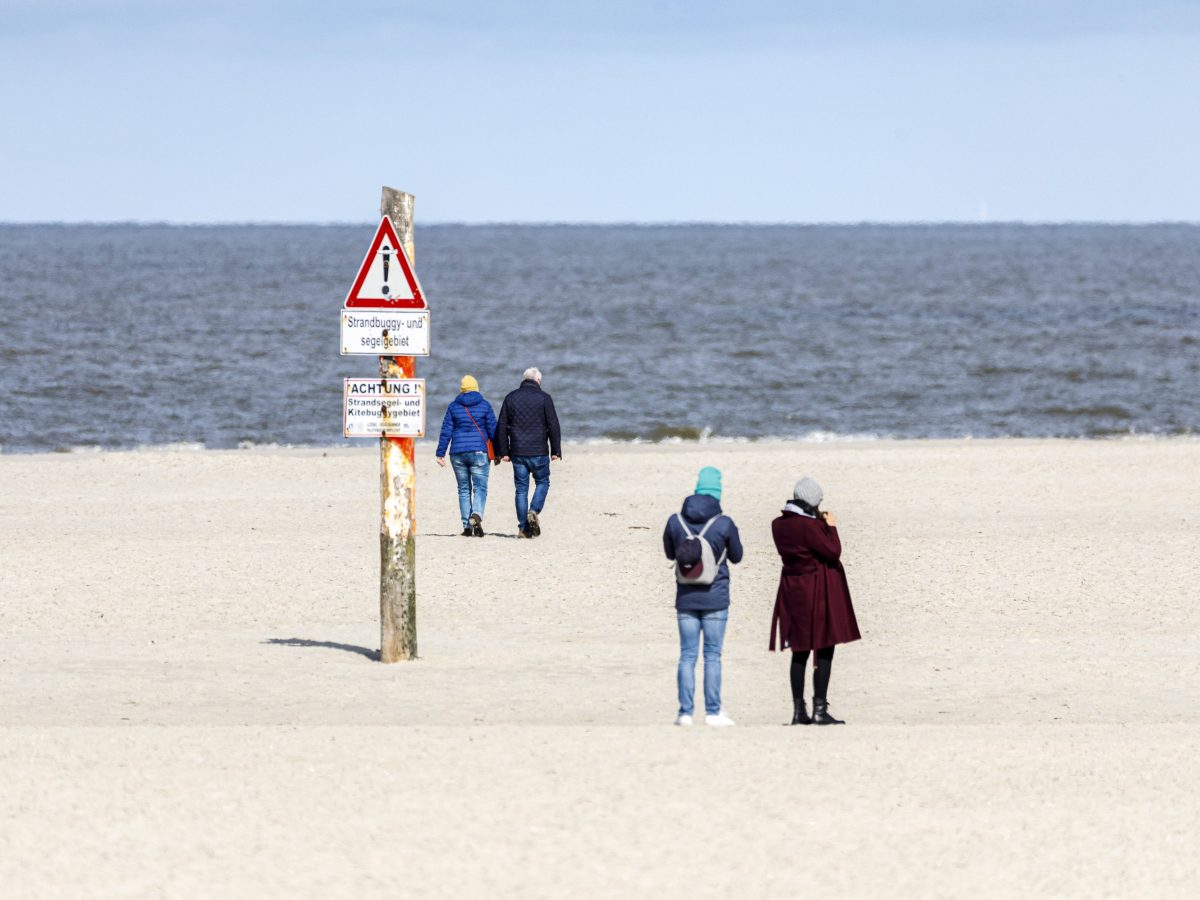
[(353, 301)]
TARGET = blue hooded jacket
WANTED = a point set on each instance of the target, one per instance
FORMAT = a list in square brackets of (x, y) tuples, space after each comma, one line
[(724, 537), (457, 431)]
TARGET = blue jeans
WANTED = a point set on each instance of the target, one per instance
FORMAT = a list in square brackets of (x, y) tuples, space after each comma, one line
[(471, 471), (539, 468), (691, 624)]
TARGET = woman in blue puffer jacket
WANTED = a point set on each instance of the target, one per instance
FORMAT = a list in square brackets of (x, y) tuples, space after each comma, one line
[(467, 430), (702, 602)]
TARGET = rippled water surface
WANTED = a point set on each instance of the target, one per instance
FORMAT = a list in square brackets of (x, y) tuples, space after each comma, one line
[(119, 335)]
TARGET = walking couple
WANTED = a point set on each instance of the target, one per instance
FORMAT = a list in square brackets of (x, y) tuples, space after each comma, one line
[(477, 438), (813, 610)]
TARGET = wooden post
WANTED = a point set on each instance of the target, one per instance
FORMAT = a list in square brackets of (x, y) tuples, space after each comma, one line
[(397, 480)]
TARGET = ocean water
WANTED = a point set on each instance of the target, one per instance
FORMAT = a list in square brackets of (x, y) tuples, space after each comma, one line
[(223, 336)]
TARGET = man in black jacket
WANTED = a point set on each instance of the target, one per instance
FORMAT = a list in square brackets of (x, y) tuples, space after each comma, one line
[(526, 424)]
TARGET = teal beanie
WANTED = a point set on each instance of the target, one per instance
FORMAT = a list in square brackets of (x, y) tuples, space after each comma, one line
[(709, 482)]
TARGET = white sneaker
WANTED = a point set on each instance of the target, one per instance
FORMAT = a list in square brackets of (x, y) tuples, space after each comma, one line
[(681, 719), (719, 720)]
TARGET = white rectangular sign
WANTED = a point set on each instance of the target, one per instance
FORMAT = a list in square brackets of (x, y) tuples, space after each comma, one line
[(383, 332), (379, 407)]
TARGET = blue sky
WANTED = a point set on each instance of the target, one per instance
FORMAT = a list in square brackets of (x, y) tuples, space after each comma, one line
[(614, 111)]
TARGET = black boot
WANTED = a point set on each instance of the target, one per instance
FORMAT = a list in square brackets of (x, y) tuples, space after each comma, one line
[(821, 714), (476, 525), (800, 713)]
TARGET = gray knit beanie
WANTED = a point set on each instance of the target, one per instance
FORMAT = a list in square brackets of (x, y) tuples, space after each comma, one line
[(809, 491)]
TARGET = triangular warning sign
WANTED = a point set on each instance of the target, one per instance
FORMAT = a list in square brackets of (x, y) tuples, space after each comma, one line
[(386, 279)]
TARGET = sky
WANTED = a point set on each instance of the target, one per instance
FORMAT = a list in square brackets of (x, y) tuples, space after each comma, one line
[(614, 111)]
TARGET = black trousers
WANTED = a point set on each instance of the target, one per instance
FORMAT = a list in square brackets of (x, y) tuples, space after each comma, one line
[(822, 666)]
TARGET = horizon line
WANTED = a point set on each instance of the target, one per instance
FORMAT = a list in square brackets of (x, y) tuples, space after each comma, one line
[(582, 223)]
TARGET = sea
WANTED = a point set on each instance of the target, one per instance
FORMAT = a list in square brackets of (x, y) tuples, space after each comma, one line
[(227, 336)]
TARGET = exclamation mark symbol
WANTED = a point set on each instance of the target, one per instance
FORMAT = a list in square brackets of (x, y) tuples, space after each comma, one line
[(387, 258)]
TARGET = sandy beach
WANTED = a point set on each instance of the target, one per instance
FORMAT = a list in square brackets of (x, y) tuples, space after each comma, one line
[(189, 706)]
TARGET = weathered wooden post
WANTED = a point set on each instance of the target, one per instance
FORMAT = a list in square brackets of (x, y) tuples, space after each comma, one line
[(397, 481)]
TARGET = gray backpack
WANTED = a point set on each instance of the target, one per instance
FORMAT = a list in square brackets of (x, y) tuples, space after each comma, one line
[(696, 564)]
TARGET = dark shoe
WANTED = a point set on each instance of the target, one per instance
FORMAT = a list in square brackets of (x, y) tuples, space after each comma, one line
[(800, 713), (821, 714), (476, 525), (522, 533), (531, 523), (468, 532)]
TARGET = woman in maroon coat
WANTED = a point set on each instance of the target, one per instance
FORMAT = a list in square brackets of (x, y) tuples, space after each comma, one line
[(812, 608)]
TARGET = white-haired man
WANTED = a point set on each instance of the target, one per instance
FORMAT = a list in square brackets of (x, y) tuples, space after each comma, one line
[(526, 425)]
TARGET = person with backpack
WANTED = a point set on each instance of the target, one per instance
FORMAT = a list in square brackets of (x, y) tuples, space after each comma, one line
[(813, 611), (467, 431), (702, 542)]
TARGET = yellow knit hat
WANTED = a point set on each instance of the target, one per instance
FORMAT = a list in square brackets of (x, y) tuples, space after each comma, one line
[(468, 383)]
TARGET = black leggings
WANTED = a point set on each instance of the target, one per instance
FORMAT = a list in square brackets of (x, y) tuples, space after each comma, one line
[(821, 669)]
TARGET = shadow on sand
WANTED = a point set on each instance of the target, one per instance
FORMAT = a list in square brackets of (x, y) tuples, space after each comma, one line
[(458, 534), (332, 645)]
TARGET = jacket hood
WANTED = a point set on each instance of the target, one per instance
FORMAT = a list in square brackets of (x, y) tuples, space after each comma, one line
[(470, 398), (699, 508)]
